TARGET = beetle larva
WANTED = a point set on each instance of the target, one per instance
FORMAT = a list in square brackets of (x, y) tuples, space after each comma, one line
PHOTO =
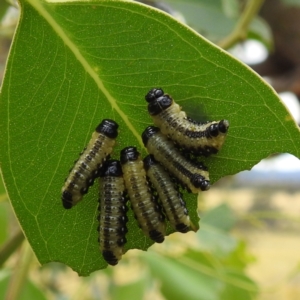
[(86, 168), (194, 177), (112, 208), (170, 197), (199, 138), (144, 205)]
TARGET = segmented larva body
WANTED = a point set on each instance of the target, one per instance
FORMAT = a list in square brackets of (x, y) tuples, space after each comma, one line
[(144, 205), (194, 177), (112, 208), (86, 168), (168, 194), (199, 138)]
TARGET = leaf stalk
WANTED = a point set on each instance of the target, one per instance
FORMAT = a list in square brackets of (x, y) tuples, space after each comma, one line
[(240, 31)]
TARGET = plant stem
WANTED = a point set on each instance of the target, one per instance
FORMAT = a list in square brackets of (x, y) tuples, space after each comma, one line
[(10, 246), (240, 31), (19, 276)]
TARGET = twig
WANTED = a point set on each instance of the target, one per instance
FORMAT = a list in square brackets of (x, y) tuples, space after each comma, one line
[(10, 246), (20, 274), (240, 31)]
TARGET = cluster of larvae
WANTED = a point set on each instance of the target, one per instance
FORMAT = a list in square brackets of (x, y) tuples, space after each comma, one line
[(152, 184)]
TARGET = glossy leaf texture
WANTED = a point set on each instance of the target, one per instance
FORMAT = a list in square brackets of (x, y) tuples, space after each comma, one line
[(74, 63)]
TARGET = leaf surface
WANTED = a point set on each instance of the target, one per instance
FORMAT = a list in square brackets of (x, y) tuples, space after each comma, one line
[(73, 64)]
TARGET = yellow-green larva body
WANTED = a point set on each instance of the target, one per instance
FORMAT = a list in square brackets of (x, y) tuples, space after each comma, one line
[(143, 203), (199, 138), (169, 196), (194, 177), (82, 175), (112, 212)]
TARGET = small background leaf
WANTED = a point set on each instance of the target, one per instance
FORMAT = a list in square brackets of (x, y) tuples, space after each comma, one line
[(206, 17), (181, 282), (217, 19), (199, 275), (215, 226), (73, 64)]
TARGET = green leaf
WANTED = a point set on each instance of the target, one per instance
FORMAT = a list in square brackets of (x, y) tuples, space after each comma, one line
[(179, 281), (206, 17), (198, 275), (239, 258), (216, 240), (231, 8), (217, 19), (222, 217), (229, 274), (215, 225), (235, 292), (260, 30), (71, 65)]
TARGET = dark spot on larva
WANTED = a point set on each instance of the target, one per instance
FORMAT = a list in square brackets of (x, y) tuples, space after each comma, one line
[(121, 242), (156, 236), (223, 126), (182, 228), (110, 257), (84, 190), (67, 199)]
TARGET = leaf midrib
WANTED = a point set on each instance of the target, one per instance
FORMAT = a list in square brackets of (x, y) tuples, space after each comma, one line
[(37, 5)]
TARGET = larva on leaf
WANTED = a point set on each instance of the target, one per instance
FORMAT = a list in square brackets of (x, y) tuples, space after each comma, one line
[(86, 168), (194, 177), (144, 205), (168, 194), (199, 138), (112, 212)]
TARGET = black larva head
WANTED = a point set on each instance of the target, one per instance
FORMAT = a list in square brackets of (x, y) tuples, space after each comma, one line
[(214, 130), (129, 154), (67, 199), (183, 228), (154, 94), (148, 132), (199, 182), (111, 168), (158, 105), (109, 128), (205, 185), (223, 126), (156, 236), (149, 161), (110, 257)]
